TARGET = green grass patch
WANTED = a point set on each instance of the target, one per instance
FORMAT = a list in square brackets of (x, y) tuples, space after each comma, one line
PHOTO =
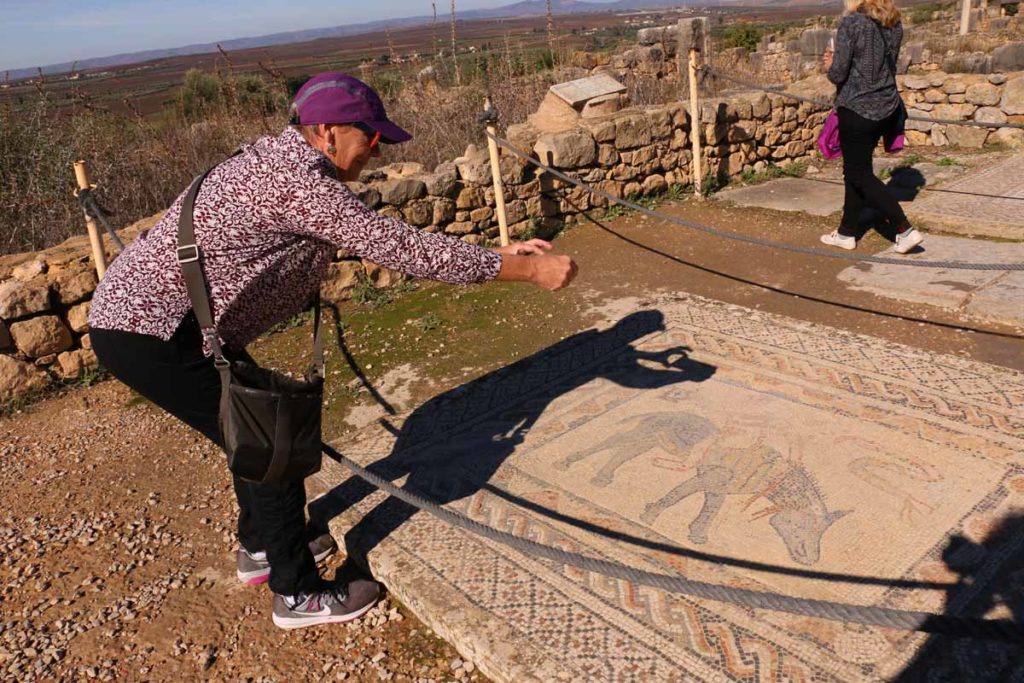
[(369, 295), (797, 169)]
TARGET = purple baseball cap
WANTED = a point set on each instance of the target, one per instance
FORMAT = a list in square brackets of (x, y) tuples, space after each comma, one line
[(335, 97)]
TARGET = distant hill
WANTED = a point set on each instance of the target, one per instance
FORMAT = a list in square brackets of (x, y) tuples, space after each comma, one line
[(519, 9)]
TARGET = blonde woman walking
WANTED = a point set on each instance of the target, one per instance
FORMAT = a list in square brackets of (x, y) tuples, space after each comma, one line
[(863, 68)]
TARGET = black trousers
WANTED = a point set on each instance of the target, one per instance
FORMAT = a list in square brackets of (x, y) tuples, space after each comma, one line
[(176, 376), (859, 137)]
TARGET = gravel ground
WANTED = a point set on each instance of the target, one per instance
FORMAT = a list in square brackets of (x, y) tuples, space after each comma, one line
[(116, 563)]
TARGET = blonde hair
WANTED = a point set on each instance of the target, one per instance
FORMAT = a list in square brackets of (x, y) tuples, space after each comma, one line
[(882, 11)]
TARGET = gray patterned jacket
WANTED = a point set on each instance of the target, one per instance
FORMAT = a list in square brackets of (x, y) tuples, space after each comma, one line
[(864, 76)]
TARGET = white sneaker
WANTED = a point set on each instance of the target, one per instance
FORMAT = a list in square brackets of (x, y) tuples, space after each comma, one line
[(908, 240), (834, 239)]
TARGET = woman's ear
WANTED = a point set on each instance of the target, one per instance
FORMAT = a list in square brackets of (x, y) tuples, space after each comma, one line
[(323, 131)]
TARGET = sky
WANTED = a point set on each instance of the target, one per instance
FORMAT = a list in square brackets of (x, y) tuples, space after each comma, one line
[(42, 32)]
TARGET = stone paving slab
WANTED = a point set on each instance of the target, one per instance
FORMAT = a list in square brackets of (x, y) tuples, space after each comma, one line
[(789, 194), (992, 295), (724, 444), (961, 209), (963, 206)]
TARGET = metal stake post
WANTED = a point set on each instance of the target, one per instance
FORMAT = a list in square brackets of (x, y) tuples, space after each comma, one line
[(499, 193), (99, 256)]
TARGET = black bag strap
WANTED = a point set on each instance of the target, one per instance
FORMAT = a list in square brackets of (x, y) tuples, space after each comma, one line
[(886, 54), (192, 270), (190, 259)]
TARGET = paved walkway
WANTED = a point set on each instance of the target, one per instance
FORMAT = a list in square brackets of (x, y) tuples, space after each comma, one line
[(965, 205), (725, 444), (989, 295), (962, 209), (995, 296)]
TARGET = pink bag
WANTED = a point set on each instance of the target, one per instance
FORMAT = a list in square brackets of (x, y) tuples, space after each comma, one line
[(894, 142), (828, 138)]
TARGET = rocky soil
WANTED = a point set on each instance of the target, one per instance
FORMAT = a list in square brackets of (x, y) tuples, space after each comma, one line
[(116, 564)]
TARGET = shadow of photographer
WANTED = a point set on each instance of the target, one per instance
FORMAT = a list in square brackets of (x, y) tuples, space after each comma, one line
[(990, 575), (451, 446)]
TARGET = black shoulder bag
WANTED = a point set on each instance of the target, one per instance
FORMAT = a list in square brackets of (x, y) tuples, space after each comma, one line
[(270, 424)]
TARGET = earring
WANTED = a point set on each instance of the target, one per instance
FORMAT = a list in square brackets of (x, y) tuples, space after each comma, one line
[(331, 149)]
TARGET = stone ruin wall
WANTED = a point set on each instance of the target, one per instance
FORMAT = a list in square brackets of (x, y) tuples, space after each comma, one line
[(44, 296), (783, 60)]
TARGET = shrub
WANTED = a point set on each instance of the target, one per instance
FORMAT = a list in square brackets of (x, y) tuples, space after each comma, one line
[(255, 94), (200, 93), (742, 35)]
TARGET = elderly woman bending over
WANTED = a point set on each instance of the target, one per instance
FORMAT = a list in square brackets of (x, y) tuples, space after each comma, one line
[(268, 221)]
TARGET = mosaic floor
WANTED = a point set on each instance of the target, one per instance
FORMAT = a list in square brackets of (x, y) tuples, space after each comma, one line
[(722, 444), (963, 209)]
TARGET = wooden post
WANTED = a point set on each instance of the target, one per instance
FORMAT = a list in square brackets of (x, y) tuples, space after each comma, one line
[(698, 173), (965, 17), (99, 256), (499, 192)]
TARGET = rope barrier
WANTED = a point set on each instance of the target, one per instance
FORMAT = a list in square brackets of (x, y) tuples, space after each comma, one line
[(956, 265), (87, 198), (988, 629), (824, 103)]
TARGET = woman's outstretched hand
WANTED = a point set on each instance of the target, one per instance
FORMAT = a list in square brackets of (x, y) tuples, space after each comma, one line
[(554, 271), (528, 262), (527, 248)]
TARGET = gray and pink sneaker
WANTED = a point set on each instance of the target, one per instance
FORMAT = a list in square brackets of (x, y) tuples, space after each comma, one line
[(332, 605), (253, 568)]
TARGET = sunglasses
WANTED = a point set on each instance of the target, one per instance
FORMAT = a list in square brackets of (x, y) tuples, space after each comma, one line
[(373, 135)]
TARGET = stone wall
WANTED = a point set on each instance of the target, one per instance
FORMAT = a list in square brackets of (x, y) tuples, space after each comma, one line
[(44, 304), (992, 98), (1006, 57)]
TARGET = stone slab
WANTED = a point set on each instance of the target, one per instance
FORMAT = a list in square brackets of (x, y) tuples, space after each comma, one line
[(716, 442), (582, 90), (789, 194), (1002, 299), (963, 208), (992, 295)]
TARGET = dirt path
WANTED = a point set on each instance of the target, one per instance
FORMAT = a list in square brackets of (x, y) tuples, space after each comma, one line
[(116, 522)]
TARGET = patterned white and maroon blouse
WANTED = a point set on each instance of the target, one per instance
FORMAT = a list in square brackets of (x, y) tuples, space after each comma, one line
[(267, 222)]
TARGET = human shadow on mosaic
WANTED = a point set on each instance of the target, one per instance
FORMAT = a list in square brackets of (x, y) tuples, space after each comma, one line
[(453, 444), (990, 576)]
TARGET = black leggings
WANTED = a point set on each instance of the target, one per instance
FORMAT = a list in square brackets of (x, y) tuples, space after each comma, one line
[(858, 137), (176, 376)]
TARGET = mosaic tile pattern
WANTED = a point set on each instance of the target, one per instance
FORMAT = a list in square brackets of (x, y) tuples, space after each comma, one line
[(725, 445), (1002, 212)]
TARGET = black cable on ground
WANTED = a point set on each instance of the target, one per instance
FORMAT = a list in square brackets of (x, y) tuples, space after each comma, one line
[(809, 297)]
